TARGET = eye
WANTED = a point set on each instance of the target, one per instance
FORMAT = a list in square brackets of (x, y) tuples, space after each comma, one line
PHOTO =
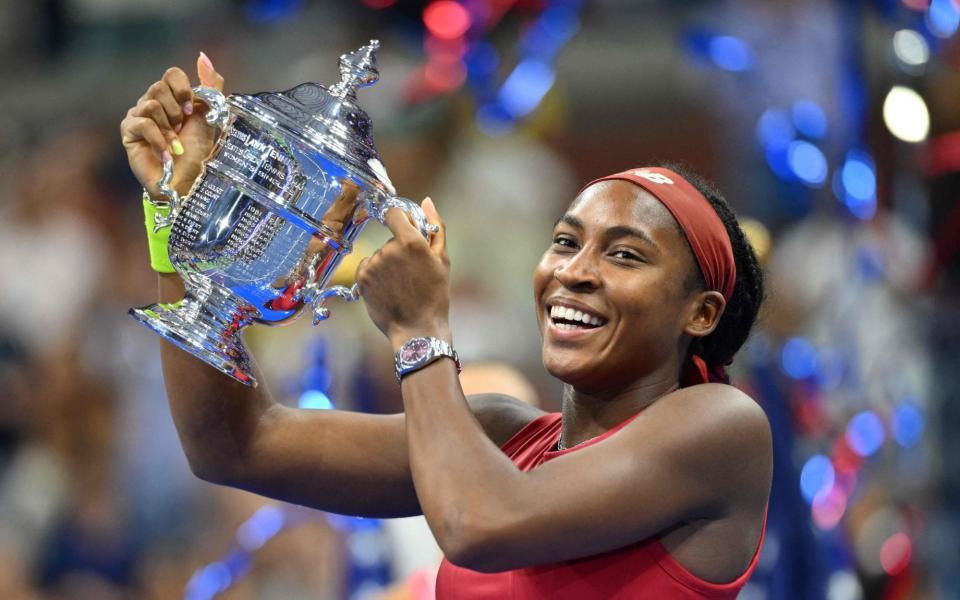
[(627, 255), (564, 241)]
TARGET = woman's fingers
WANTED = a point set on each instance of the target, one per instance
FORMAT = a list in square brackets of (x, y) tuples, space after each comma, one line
[(438, 241), (402, 226), (137, 129), (153, 109), (180, 89)]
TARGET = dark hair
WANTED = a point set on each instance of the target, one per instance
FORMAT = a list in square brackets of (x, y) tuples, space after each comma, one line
[(740, 314)]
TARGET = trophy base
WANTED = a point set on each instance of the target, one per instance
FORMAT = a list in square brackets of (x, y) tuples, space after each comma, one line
[(211, 335)]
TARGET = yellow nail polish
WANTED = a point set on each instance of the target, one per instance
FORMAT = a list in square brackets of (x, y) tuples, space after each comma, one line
[(176, 147)]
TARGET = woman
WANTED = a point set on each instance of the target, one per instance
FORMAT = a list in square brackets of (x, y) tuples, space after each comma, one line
[(644, 487)]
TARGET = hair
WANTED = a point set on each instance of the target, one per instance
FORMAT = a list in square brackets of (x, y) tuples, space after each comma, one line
[(719, 347)]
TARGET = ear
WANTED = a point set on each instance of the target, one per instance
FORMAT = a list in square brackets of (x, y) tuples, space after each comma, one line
[(705, 313)]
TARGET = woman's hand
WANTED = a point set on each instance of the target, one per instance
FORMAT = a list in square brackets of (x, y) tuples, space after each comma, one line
[(166, 121), (405, 285)]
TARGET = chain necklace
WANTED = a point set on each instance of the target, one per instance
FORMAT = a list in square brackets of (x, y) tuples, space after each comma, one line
[(560, 445)]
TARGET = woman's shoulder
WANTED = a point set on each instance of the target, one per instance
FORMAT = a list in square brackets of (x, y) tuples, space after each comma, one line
[(502, 416), (718, 401), (714, 425)]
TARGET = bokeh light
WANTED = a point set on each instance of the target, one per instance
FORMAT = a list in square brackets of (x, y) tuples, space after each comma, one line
[(731, 53), (911, 48), (775, 129), (906, 115), (907, 424), (858, 175), (895, 553), (855, 184), (273, 11), (444, 75), (446, 19), (828, 508), (525, 87), (314, 400), (260, 527), (798, 358), (865, 433), (943, 17), (807, 162), (816, 477), (844, 585), (917, 5), (809, 119)]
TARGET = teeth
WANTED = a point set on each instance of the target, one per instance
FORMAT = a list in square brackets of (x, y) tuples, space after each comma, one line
[(569, 314)]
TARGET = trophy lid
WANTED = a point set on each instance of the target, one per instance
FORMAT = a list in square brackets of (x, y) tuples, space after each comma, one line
[(330, 119)]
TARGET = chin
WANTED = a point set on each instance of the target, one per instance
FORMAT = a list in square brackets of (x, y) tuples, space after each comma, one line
[(569, 370)]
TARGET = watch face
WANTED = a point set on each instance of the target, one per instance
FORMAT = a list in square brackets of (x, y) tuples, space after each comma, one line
[(414, 350)]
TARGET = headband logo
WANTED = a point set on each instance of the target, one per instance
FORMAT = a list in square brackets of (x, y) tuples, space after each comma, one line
[(651, 176)]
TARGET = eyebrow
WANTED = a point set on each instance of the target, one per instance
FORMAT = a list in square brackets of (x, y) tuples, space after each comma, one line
[(611, 233)]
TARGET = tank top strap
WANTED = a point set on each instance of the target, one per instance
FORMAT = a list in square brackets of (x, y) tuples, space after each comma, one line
[(672, 567)]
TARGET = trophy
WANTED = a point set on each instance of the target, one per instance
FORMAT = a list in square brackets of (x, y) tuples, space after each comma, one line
[(289, 185)]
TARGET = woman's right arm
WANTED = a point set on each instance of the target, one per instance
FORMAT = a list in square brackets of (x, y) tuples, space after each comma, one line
[(339, 461)]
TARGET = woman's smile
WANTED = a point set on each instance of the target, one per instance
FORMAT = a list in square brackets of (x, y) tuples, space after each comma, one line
[(568, 320)]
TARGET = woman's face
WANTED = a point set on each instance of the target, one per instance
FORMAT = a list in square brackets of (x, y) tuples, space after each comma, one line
[(617, 256)]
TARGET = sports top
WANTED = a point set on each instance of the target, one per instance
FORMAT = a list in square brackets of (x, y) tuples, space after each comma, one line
[(642, 570)]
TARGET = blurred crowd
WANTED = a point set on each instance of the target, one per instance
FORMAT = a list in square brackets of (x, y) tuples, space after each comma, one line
[(854, 360)]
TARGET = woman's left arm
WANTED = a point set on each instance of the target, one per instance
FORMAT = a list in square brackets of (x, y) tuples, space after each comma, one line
[(684, 459)]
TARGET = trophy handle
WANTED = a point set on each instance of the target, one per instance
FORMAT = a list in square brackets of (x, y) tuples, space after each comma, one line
[(408, 206), (352, 293), (217, 116)]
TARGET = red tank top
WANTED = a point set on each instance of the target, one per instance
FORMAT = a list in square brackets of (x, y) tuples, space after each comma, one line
[(641, 570)]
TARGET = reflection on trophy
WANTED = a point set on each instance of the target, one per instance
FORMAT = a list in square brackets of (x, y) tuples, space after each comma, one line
[(287, 188)]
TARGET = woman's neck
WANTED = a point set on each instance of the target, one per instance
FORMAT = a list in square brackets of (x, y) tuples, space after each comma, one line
[(589, 414)]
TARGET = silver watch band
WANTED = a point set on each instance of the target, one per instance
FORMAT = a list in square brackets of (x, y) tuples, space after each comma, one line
[(418, 352)]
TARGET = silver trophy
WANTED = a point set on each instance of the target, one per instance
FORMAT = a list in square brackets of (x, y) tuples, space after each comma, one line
[(287, 188)]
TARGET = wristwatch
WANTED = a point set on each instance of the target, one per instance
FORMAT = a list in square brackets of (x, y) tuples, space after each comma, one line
[(418, 352)]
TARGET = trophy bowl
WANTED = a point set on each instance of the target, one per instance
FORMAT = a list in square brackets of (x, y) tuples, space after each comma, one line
[(290, 183)]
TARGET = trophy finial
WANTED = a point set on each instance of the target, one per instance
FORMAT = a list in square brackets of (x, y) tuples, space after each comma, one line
[(357, 69)]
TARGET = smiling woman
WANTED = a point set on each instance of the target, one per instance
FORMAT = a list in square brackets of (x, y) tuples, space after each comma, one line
[(639, 275), (652, 483)]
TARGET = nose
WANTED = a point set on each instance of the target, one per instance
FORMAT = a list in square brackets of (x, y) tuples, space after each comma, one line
[(578, 272)]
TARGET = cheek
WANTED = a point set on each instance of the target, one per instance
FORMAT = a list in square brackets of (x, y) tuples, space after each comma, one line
[(542, 274)]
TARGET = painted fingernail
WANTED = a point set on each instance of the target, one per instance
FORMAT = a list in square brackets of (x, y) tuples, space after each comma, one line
[(206, 61), (188, 108), (178, 127), (176, 147), (166, 156)]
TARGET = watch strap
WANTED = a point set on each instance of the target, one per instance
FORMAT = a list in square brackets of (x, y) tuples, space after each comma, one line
[(424, 351)]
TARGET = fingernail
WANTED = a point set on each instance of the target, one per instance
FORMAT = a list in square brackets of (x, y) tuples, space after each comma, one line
[(188, 108), (176, 147), (206, 61), (166, 156), (178, 127)]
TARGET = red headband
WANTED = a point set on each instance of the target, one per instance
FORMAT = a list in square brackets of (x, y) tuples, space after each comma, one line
[(708, 239), (698, 220)]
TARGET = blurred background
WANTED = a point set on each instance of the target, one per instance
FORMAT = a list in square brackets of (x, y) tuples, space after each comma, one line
[(833, 127)]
